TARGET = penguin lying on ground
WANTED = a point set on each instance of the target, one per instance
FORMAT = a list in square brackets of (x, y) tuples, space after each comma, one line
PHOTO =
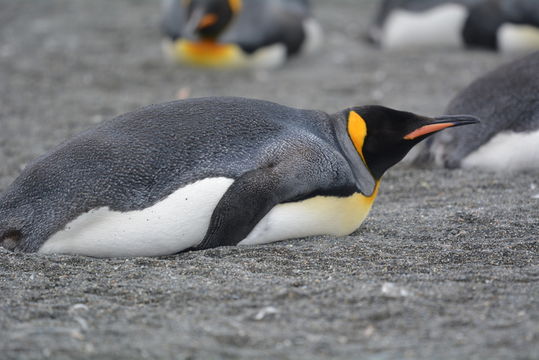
[(238, 33), (507, 139), (207, 172), (504, 25)]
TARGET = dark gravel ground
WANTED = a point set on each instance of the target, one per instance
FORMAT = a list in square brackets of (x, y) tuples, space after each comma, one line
[(446, 266)]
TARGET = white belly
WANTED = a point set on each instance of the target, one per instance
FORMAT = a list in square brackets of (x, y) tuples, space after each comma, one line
[(518, 38), (320, 215), (181, 220), (506, 152), (268, 57), (440, 26), (173, 224)]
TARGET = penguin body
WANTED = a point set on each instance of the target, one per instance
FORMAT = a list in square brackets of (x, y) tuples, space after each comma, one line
[(507, 99), (502, 25), (238, 33), (207, 172)]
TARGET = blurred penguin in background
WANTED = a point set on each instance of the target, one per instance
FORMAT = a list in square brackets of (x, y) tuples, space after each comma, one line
[(507, 139), (498, 25), (238, 33)]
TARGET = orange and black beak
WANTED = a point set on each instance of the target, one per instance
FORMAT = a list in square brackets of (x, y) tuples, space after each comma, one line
[(440, 123)]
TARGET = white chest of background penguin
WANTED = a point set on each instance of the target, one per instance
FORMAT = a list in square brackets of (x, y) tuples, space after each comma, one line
[(238, 33), (208, 172), (503, 25)]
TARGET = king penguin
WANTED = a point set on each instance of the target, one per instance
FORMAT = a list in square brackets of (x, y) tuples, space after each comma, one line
[(507, 140), (238, 33), (208, 172), (499, 25)]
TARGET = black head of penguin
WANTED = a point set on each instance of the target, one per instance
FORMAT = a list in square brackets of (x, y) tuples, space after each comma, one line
[(383, 136), (207, 19)]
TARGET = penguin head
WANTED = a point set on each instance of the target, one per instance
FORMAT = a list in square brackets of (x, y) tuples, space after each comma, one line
[(383, 136), (207, 19)]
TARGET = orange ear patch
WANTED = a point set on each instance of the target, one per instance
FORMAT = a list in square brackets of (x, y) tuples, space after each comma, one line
[(357, 129), (427, 129), (207, 20)]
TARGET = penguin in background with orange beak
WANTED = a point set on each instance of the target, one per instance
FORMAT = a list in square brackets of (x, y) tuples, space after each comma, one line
[(238, 33)]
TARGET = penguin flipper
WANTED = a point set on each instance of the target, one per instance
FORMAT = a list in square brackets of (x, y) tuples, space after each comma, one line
[(274, 24), (254, 194)]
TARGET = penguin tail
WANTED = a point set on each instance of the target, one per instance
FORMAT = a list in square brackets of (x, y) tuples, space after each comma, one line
[(10, 239), (11, 230)]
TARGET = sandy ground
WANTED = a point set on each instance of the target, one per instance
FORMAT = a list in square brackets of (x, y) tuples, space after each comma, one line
[(446, 266)]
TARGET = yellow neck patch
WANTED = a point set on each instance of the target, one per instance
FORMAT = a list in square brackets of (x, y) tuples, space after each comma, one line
[(235, 5), (357, 129)]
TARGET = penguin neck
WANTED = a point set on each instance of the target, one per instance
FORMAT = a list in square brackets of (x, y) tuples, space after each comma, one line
[(380, 163), (375, 193), (364, 179)]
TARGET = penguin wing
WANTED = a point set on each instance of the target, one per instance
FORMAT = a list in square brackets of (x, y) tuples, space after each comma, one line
[(266, 23), (172, 18), (256, 192)]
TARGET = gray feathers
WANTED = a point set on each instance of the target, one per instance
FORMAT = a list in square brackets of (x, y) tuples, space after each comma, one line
[(136, 159)]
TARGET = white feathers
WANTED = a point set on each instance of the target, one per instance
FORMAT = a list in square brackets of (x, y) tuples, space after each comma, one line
[(439, 26), (507, 152), (173, 224), (181, 220), (267, 57), (315, 216), (518, 38)]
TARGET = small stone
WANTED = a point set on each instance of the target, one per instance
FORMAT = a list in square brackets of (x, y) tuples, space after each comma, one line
[(392, 290), (268, 310)]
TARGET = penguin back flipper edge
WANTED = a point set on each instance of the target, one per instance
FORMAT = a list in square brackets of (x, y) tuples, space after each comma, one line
[(256, 192)]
